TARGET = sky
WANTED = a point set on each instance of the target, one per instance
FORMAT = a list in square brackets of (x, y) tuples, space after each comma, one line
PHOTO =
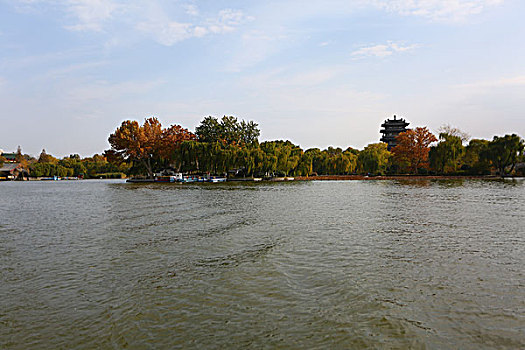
[(317, 73)]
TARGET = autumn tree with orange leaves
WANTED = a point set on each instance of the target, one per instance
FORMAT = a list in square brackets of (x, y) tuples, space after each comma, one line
[(148, 143), (412, 149)]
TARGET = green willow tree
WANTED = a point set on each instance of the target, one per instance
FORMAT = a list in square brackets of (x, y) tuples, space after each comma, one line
[(445, 157), (473, 160), (374, 159), (504, 152), (280, 157), (222, 145)]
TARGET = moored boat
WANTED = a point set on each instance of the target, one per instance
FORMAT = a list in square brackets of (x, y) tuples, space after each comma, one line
[(139, 180), (190, 178), (52, 178), (165, 179), (244, 179)]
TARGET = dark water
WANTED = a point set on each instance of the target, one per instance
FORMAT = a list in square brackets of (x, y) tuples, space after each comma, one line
[(304, 265)]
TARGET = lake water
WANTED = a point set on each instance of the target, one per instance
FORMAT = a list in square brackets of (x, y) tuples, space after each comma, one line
[(300, 265)]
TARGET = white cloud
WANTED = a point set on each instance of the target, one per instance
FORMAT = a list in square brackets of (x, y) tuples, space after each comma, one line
[(168, 32), (382, 50), (437, 10), (191, 9), (90, 14), (166, 22), (227, 20)]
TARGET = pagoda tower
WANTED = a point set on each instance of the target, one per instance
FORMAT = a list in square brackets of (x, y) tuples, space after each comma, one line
[(392, 128)]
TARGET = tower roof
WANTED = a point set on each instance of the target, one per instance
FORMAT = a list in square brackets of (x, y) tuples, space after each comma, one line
[(391, 128)]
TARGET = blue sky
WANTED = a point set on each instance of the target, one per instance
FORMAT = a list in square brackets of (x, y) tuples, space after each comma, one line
[(319, 73)]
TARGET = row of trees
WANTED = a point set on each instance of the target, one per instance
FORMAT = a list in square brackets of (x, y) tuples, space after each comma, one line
[(219, 146), (450, 156), (108, 164)]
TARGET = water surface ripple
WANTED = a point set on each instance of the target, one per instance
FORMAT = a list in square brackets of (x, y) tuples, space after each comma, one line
[(317, 265)]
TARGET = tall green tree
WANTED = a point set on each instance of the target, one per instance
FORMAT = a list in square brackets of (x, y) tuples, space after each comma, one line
[(249, 133), (281, 157), (374, 158), (228, 131), (453, 131), (209, 130), (74, 163), (315, 160), (351, 154), (474, 161), (304, 168), (446, 155), (504, 152)]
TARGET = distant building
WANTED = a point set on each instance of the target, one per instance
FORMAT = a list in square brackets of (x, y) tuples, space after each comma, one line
[(13, 171), (9, 157), (392, 128)]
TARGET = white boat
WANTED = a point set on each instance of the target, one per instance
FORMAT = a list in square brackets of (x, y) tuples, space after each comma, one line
[(190, 178), (165, 179)]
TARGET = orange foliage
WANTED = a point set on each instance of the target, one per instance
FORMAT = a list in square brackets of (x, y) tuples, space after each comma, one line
[(144, 143), (172, 137), (413, 147), (151, 136), (127, 139)]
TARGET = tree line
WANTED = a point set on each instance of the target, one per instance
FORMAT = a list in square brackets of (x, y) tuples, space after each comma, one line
[(225, 145), (230, 146), (107, 165)]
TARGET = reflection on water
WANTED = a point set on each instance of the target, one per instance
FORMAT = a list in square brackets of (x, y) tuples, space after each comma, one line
[(356, 264)]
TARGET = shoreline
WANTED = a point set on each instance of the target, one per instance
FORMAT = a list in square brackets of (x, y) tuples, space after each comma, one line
[(400, 177), (314, 178), (358, 178)]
